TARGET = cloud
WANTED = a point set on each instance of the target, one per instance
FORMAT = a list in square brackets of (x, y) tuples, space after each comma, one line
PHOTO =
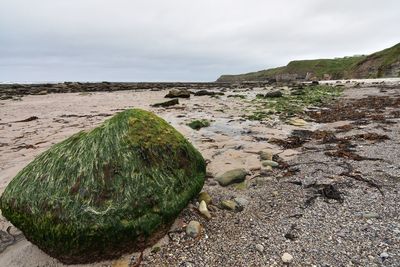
[(182, 40)]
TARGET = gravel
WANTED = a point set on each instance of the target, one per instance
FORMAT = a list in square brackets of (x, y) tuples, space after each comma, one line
[(361, 230)]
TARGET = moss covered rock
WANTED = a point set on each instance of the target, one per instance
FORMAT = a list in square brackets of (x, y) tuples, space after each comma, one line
[(105, 192)]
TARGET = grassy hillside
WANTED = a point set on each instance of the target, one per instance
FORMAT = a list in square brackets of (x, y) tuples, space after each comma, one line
[(385, 63)]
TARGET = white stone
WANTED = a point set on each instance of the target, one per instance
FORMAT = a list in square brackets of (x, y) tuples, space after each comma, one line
[(384, 255), (260, 248), (193, 229), (203, 209), (287, 258)]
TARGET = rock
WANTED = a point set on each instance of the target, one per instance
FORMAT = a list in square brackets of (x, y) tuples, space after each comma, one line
[(193, 229), (266, 155), (168, 103), (240, 186), (231, 205), (384, 255), (178, 93), (43, 92), (205, 92), (274, 94), (241, 201), (6, 240), (298, 122), (125, 181), (203, 209), (270, 163), (206, 197), (232, 176), (287, 258), (266, 170), (198, 124), (260, 248)]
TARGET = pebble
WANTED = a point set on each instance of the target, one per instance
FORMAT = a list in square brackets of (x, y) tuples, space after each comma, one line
[(287, 258), (203, 209), (297, 122), (241, 201), (206, 197), (266, 170), (384, 255), (230, 205), (260, 248), (271, 163), (266, 155), (232, 176), (371, 257), (193, 229)]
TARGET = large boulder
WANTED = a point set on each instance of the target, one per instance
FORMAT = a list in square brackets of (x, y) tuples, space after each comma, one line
[(105, 192)]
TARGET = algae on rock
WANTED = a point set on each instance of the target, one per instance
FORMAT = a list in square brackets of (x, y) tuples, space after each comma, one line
[(105, 192)]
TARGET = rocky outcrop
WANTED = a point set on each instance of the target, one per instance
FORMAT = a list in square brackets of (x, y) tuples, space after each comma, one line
[(8, 91)]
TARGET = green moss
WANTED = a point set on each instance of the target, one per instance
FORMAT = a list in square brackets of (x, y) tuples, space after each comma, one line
[(290, 105), (198, 124), (101, 193)]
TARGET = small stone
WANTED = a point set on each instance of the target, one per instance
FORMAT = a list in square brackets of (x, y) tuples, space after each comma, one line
[(155, 249), (266, 170), (275, 193), (212, 182), (266, 155), (241, 201), (168, 103), (270, 163), (203, 209), (193, 229), (370, 257), (384, 255), (206, 197), (230, 205), (232, 176), (260, 248), (274, 94), (241, 186), (287, 258), (298, 122)]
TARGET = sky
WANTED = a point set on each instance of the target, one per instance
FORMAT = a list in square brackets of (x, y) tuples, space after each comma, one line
[(182, 40)]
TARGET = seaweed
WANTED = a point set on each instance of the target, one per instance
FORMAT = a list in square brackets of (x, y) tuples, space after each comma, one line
[(105, 192), (198, 124), (293, 104)]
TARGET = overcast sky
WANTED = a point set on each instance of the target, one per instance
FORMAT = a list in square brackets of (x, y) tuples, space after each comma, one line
[(182, 40)]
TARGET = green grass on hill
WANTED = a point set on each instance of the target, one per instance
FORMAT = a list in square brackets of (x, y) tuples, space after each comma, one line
[(375, 65)]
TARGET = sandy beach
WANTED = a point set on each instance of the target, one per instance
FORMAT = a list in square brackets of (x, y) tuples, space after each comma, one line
[(361, 227)]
